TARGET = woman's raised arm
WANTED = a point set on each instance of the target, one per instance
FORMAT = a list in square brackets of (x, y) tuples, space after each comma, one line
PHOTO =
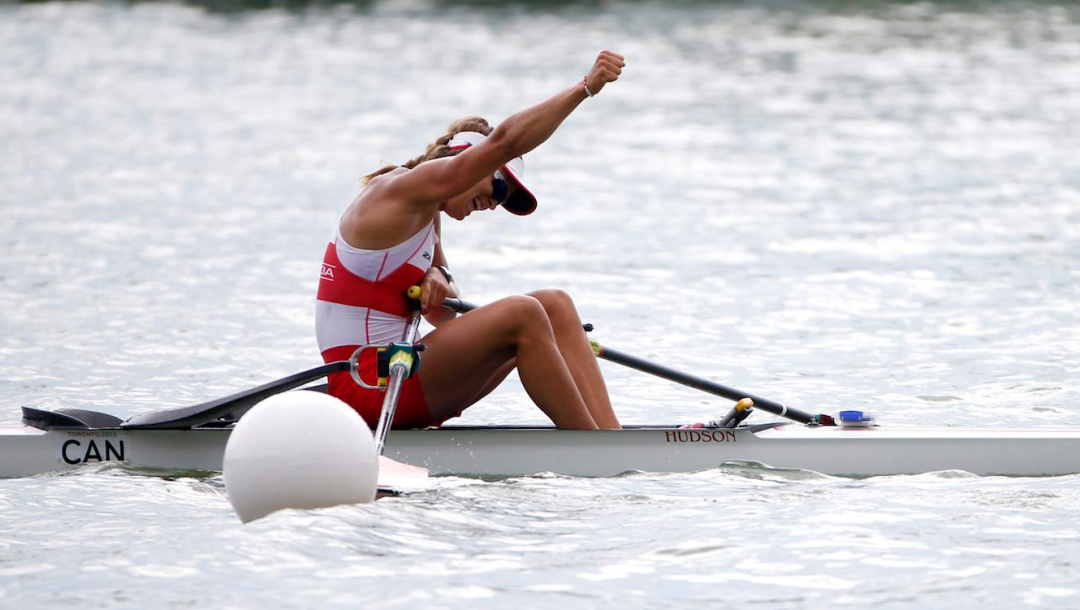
[(441, 179)]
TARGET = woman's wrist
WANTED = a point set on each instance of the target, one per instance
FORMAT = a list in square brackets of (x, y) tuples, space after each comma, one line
[(585, 86), (445, 272)]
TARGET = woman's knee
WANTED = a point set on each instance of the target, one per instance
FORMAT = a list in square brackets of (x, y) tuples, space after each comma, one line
[(554, 300), (525, 313), (522, 305)]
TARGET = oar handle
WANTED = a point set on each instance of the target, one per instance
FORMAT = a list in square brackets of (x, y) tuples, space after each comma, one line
[(450, 303), (640, 364)]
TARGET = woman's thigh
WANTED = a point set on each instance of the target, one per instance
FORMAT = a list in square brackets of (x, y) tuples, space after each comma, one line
[(467, 357)]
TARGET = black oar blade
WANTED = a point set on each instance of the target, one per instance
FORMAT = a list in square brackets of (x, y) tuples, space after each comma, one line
[(188, 417)]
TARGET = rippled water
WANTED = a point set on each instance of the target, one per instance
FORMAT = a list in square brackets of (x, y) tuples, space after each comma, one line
[(833, 204)]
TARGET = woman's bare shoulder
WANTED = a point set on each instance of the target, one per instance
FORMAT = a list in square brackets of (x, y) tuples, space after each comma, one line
[(372, 193), (376, 220)]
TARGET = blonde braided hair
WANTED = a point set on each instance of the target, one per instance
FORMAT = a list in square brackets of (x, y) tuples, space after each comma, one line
[(440, 148)]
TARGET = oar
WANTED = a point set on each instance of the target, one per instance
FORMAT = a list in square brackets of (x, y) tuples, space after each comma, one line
[(686, 379), (234, 405), (711, 387), (187, 417)]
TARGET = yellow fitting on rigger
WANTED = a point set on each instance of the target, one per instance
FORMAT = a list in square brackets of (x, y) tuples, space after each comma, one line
[(744, 404), (596, 349), (402, 357)]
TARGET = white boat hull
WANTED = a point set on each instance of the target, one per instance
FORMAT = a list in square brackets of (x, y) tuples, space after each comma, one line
[(835, 451), (498, 451)]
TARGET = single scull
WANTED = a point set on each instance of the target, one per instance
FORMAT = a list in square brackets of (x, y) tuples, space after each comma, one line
[(193, 438), (53, 440)]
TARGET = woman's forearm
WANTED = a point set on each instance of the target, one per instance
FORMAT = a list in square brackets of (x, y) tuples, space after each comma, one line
[(523, 131), (529, 128)]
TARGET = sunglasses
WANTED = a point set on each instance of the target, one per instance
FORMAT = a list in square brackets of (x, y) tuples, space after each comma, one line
[(500, 191)]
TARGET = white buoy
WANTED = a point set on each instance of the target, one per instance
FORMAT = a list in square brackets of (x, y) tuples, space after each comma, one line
[(299, 450)]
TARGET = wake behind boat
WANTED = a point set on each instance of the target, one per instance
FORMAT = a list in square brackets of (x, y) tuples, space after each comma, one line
[(53, 440)]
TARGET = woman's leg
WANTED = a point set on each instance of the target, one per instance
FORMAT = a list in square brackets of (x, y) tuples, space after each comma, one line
[(578, 354), (467, 356), (495, 381)]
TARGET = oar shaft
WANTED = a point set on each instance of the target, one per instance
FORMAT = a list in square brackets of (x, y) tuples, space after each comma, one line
[(398, 373), (704, 385), (458, 305), (234, 405)]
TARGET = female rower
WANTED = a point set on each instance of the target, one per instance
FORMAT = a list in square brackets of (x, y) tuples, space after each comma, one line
[(388, 240)]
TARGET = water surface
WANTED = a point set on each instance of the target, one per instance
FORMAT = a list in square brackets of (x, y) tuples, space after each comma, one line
[(832, 204)]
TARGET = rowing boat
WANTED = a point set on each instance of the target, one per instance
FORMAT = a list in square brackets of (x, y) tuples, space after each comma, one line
[(194, 438), (53, 440)]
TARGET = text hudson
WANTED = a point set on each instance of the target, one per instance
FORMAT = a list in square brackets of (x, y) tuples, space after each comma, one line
[(700, 436)]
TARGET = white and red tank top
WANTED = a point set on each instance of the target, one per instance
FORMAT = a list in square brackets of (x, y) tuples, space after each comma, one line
[(361, 297)]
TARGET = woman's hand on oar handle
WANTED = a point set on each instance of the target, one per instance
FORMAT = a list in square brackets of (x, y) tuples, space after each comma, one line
[(432, 291), (607, 69), (451, 303)]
